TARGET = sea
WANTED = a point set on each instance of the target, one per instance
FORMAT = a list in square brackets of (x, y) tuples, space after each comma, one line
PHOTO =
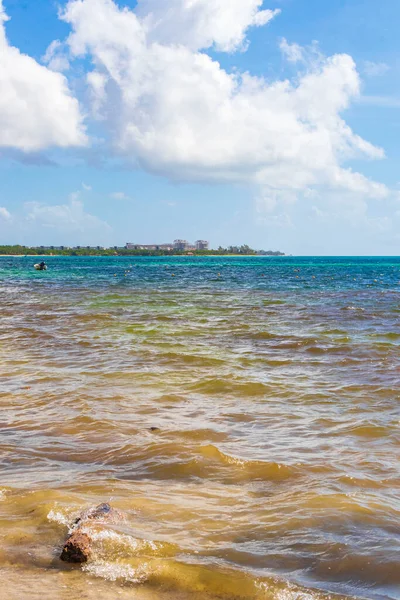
[(241, 415)]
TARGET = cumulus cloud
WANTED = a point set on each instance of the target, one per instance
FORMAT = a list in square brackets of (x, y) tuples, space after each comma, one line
[(119, 196), (37, 109), (199, 24), (351, 212), (5, 215), (69, 219), (171, 108), (55, 57), (292, 52), (267, 202), (166, 105)]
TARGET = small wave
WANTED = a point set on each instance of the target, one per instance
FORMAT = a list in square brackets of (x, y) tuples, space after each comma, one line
[(117, 572), (254, 469), (369, 430), (289, 592), (264, 335), (390, 335), (220, 386), (190, 359), (111, 543), (180, 579), (68, 516), (273, 302), (202, 435), (62, 518)]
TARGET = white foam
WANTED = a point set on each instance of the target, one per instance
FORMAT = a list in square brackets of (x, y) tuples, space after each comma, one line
[(115, 571), (58, 517), (289, 593), (118, 539)]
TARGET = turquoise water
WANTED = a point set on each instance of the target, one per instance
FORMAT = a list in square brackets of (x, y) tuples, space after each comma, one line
[(284, 273), (241, 413)]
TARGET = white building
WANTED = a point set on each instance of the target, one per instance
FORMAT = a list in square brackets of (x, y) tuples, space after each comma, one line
[(182, 245), (130, 246), (202, 245)]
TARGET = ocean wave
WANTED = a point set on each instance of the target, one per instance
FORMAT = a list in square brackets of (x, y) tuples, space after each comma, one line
[(251, 469), (215, 385)]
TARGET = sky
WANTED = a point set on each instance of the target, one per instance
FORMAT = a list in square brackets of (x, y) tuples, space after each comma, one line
[(273, 124)]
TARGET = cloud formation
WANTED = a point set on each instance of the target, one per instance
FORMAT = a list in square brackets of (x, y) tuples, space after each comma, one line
[(37, 110), (4, 214), (64, 223), (201, 24), (166, 105), (292, 52), (69, 219), (171, 108), (120, 196)]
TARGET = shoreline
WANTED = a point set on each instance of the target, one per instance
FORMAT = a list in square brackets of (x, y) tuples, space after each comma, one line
[(143, 256)]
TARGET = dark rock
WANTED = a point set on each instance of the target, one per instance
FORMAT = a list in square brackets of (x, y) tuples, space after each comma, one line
[(154, 429), (77, 548)]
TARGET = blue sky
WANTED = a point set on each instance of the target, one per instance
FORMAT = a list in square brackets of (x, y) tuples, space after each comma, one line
[(271, 124)]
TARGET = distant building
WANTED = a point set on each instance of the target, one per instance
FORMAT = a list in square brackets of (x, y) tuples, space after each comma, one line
[(141, 247), (130, 246), (202, 245), (182, 245), (86, 248), (51, 247)]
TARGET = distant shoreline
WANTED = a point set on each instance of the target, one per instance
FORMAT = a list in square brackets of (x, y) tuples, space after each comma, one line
[(144, 255)]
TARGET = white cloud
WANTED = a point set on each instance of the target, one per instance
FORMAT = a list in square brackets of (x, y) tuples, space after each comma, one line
[(292, 52), (56, 57), (119, 196), (36, 107), (350, 211), (199, 24), (373, 69), (169, 107), (267, 201), (176, 112), (87, 188), (5, 215), (69, 220)]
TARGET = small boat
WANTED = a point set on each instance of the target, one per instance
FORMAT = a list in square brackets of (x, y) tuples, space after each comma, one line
[(40, 266)]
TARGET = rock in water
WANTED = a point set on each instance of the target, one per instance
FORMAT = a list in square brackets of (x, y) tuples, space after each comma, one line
[(78, 546), (102, 511)]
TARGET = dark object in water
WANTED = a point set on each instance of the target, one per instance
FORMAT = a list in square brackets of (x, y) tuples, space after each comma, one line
[(78, 545), (41, 266), (154, 429), (101, 511), (77, 548)]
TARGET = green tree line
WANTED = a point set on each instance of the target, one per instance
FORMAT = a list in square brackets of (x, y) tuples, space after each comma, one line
[(115, 251)]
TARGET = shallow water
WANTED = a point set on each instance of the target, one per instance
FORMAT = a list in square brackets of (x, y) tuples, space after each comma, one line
[(274, 387)]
